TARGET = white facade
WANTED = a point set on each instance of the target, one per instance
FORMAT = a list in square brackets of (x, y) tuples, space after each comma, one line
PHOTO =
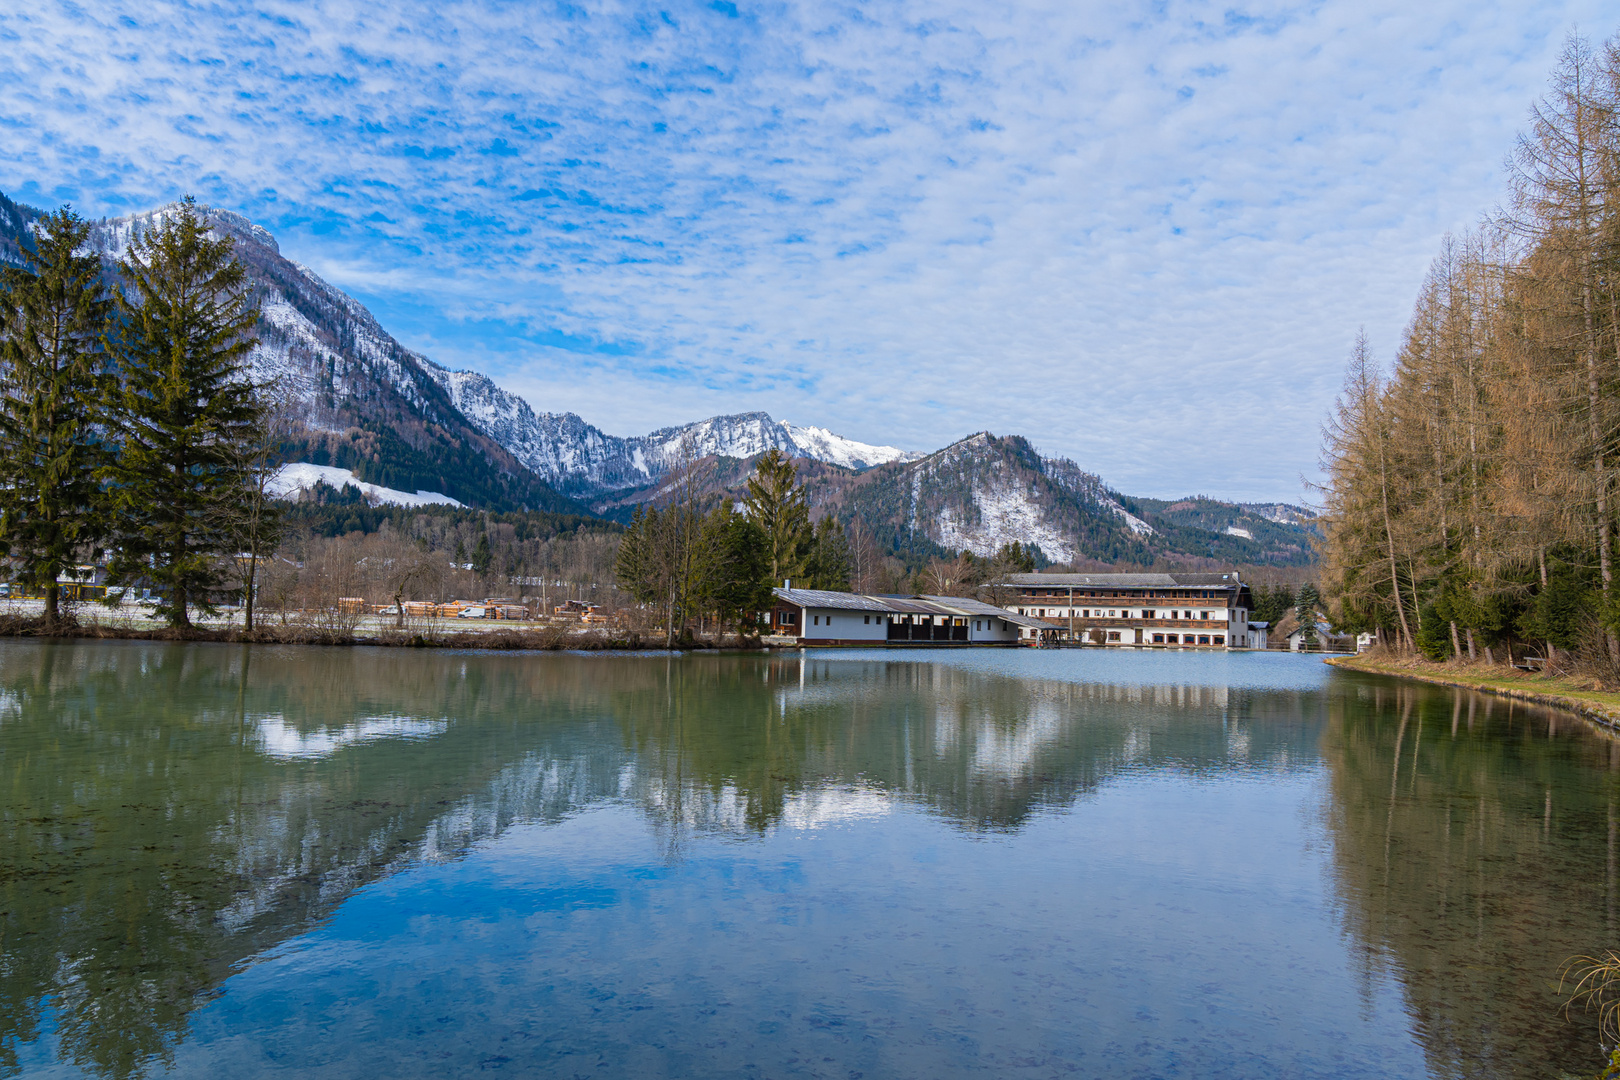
[(821, 617), (840, 624)]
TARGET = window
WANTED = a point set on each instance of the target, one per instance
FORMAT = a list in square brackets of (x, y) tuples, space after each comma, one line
[(868, 620), (1203, 614), (1147, 613), (1186, 614), (817, 619), (976, 624), (1113, 635), (1110, 613), (1220, 639), (1171, 638), (1085, 613), (1158, 639), (1203, 639)]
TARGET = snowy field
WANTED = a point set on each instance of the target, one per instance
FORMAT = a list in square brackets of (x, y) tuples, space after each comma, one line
[(301, 475)]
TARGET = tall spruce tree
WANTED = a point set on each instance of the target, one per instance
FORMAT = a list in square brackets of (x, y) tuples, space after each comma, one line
[(53, 318), (827, 565), (777, 505), (187, 405)]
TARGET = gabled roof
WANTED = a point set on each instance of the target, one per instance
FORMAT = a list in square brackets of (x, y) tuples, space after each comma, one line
[(903, 605), (826, 598)]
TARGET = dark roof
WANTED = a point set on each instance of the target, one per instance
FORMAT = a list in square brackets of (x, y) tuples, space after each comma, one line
[(1129, 581), (961, 605), (826, 598), (1259, 625)]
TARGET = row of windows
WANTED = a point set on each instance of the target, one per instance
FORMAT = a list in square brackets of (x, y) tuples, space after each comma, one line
[(1187, 639), (790, 617), (1188, 594), (1147, 613)]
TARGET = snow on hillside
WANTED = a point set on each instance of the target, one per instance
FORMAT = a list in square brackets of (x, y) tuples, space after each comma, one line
[(1281, 513), (1006, 514), (823, 445), (580, 458), (301, 476), (1089, 486)]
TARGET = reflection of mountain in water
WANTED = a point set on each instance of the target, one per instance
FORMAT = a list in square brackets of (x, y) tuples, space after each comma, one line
[(1466, 831), (172, 811)]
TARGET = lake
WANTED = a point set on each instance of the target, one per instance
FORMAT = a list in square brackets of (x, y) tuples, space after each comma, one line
[(228, 861)]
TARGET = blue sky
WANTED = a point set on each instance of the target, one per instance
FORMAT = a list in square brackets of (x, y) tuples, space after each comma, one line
[(1141, 235)]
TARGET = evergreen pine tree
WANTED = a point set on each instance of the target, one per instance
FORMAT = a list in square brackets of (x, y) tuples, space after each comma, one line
[(53, 317), (483, 557), (633, 568), (828, 564), (186, 408), (777, 505), (1305, 611)]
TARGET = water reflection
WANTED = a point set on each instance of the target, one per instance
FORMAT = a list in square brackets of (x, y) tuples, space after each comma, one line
[(172, 812), (1474, 851)]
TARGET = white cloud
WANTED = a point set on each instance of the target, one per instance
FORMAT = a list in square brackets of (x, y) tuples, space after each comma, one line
[(1138, 236)]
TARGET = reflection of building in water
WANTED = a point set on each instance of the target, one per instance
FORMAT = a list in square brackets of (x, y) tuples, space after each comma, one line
[(238, 796)]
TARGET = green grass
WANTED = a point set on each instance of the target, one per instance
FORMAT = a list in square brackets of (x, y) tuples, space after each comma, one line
[(1573, 694)]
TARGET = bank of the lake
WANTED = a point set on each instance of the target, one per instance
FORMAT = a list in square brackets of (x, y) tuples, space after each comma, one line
[(416, 634), (1601, 707)]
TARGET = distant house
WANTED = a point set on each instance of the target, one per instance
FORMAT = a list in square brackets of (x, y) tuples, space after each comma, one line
[(824, 617), (1326, 639)]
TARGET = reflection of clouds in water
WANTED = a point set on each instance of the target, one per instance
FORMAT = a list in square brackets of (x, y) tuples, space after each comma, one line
[(279, 739), (10, 704)]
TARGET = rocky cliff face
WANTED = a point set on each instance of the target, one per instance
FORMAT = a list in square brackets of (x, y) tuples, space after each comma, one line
[(581, 460)]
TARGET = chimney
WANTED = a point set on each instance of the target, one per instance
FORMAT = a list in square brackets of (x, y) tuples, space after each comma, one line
[(787, 583)]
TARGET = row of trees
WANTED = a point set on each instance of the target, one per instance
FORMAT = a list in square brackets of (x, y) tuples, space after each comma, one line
[(700, 558), (129, 425), (1470, 494)]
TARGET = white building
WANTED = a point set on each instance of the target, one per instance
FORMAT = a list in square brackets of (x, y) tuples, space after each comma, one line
[(824, 617)]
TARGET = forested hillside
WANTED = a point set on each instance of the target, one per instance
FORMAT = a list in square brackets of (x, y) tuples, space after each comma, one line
[(987, 491), (1470, 491)]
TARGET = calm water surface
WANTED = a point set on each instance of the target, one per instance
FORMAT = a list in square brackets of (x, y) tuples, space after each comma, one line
[(228, 862)]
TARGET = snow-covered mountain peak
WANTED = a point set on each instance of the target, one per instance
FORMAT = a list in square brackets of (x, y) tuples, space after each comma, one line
[(824, 445)]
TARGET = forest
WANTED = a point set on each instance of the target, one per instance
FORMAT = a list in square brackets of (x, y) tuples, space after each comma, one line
[(1469, 489)]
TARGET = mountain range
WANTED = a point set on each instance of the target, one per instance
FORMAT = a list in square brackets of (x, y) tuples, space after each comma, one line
[(363, 406)]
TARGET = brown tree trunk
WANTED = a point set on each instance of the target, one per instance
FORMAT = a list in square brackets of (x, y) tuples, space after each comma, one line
[(247, 600), (53, 593), (179, 613), (1389, 538)]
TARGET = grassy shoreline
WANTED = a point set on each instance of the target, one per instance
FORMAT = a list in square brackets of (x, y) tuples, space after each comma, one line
[(423, 636), (1600, 706)]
